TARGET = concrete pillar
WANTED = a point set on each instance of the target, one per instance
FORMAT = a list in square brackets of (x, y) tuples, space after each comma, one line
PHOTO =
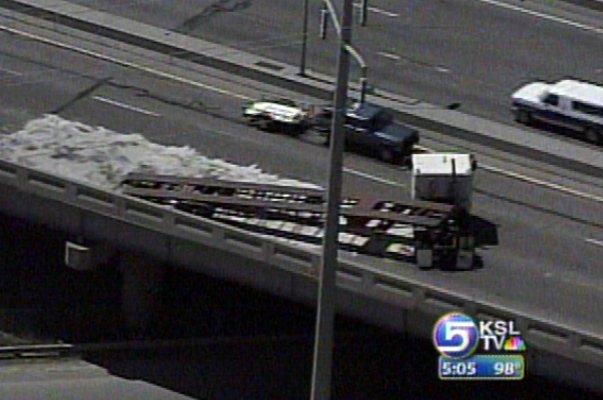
[(141, 292)]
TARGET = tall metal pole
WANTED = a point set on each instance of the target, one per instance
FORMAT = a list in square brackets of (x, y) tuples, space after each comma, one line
[(302, 64), (363, 12), (325, 317)]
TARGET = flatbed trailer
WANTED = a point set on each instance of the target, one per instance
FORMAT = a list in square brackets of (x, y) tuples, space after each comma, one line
[(382, 228)]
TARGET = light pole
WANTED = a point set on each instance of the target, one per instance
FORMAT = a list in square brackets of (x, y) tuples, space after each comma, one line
[(302, 64), (329, 10), (325, 315), (363, 12)]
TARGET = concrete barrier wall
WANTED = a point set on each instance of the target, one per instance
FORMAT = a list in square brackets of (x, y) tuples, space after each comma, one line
[(279, 267), (477, 130)]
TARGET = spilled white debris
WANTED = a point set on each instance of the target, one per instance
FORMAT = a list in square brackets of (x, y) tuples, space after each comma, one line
[(101, 157)]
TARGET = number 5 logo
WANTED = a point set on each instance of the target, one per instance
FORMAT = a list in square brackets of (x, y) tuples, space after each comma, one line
[(455, 335), (455, 329)]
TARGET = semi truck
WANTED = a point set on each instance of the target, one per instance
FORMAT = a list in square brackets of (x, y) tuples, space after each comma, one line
[(446, 178), (433, 229)]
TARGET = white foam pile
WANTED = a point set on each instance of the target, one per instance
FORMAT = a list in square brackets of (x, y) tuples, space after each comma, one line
[(99, 156)]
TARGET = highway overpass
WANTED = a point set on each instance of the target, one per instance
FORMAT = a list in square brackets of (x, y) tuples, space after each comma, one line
[(542, 230)]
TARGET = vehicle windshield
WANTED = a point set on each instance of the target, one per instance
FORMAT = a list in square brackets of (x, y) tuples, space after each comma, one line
[(282, 101), (382, 119)]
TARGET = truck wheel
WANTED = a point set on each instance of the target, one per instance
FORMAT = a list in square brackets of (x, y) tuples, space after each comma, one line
[(248, 121), (386, 155), (296, 130), (263, 124), (593, 136), (523, 117)]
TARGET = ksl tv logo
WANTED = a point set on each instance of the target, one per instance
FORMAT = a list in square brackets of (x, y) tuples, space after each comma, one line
[(457, 335)]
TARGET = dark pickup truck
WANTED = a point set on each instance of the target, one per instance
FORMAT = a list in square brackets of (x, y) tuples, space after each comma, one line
[(372, 129)]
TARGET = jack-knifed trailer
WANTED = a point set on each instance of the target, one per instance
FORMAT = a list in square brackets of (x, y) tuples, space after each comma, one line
[(432, 229)]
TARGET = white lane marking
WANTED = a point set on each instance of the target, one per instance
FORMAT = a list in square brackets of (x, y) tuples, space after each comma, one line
[(573, 280), (538, 182), (372, 177), (240, 96), (595, 241), (534, 181), (10, 71), (378, 11), (543, 16), (238, 137), (123, 63), (391, 56), (395, 57), (383, 12), (126, 106)]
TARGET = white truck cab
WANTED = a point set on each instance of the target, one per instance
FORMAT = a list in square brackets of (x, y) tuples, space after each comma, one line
[(443, 177), (446, 178)]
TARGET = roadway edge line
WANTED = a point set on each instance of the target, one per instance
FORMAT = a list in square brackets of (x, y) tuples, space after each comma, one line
[(539, 182), (176, 78), (534, 181), (117, 61), (313, 88)]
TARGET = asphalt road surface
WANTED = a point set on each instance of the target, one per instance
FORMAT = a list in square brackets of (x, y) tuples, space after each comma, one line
[(539, 247), (474, 53)]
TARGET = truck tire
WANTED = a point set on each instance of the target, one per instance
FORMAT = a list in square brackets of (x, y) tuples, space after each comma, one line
[(386, 155), (524, 117), (249, 121), (263, 124), (593, 135), (295, 130)]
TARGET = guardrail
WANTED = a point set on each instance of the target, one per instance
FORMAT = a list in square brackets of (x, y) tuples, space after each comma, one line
[(403, 293)]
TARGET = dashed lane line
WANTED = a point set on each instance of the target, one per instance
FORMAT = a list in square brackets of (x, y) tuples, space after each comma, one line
[(377, 10), (543, 16), (391, 56), (372, 177), (162, 74), (594, 241), (10, 71), (122, 62), (153, 71), (125, 106)]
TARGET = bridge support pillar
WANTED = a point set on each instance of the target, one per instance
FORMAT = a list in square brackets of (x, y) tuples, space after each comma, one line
[(141, 292)]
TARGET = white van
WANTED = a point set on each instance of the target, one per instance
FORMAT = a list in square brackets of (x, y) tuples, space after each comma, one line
[(568, 103)]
